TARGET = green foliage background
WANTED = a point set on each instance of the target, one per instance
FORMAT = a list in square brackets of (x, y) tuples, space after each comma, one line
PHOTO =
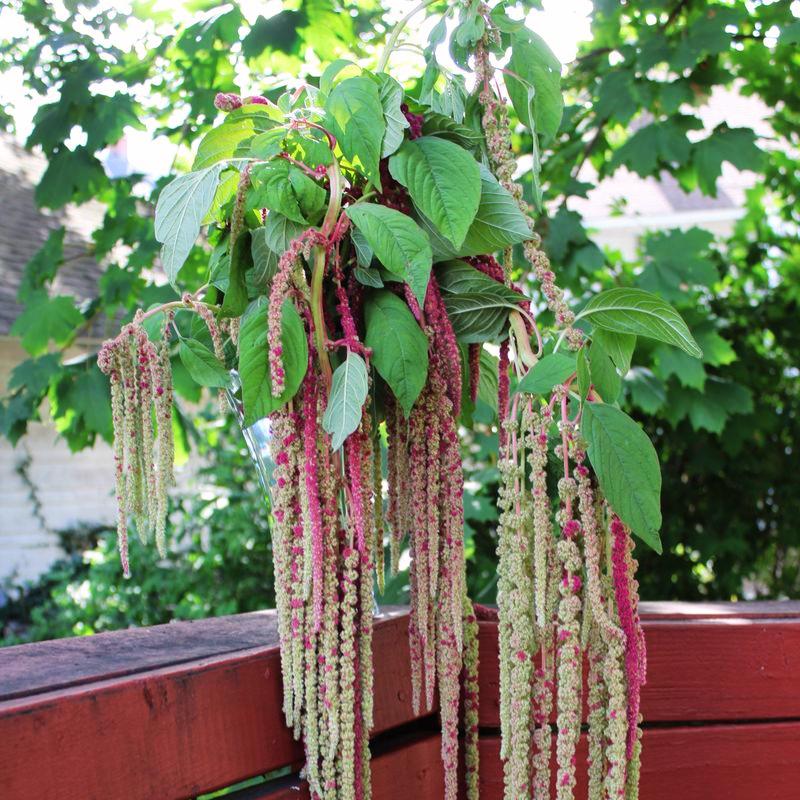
[(725, 428)]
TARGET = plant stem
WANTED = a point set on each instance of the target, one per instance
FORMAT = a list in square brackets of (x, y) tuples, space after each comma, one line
[(391, 42), (318, 272)]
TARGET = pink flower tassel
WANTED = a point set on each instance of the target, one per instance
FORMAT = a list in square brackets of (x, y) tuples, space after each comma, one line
[(311, 469), (629, 621)]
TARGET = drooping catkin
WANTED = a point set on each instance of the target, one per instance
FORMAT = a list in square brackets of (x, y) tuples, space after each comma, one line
[(141, 390), (471, 701)]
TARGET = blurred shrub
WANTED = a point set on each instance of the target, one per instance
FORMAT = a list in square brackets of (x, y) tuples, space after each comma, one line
[(219, 560)]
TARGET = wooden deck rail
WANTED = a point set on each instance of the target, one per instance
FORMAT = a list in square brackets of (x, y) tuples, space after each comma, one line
[(178, 710)]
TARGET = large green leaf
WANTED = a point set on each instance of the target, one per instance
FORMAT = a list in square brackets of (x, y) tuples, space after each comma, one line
[(282, 187), (390, 93), (533, 81), (550, 371), (446, 128), (627, 468), (44, 265), (239, 260), (348, 393), (233, 137), (477, 306), (634, 311), (444, 182), (619, 347), (736, 145), (45, 319), (399, 347), (204, 367), (498, 224), (398, 242), (181, 208), (254, 364), (355, 116), (606, 380)]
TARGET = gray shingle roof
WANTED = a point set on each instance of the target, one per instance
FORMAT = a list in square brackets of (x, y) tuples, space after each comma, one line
[(24, 229)]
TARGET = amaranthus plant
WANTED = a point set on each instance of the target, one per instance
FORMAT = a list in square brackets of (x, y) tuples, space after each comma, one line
[(368, 250)]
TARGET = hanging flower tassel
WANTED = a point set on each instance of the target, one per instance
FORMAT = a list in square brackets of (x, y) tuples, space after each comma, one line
[(141, 386), (471, 702), (625, 593), (516, 629)]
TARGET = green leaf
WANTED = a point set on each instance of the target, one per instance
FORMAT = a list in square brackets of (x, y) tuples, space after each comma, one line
[(488, 379), (269, 242), (736, 145), (503, 22), (355, 116), (452, 100), (254, 364), (634, 311), (444, 182), (477, 306), (204, 367), (657, 146), (363, 250), (348, 392), (368, 276), (268, 145), (584, 374), (42, 268), (709, 410), (678, 260), (332, 71), (627, 468), (716, 350), (45, 319), (647, 391), (399, 347), (444, 127), (547, 373), (398, 242), (535, 92), (390, 93), (87, 402), (72, 176), (619, 347), (281, 187), (689, 371), (181, 208), (240, 260), (34, 374), (605, 378), (235, 136), (498, 224)]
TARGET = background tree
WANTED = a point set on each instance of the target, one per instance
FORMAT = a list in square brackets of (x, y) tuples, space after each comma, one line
[(725, 429)]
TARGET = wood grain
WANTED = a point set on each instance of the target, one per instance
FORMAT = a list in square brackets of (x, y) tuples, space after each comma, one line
[(175, 731), (174, 711), (714, 762), (410, 770), (701, 670)]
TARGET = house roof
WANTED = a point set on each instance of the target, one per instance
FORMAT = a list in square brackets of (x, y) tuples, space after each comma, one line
[(24, 229)]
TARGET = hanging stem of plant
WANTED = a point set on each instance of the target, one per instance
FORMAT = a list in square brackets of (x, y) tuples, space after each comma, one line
[(318, 271), (391, 42)]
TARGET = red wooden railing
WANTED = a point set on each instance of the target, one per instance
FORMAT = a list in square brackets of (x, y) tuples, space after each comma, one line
[(178, 710)]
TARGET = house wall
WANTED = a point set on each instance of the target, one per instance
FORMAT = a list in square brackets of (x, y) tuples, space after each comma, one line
[(71, 487)]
